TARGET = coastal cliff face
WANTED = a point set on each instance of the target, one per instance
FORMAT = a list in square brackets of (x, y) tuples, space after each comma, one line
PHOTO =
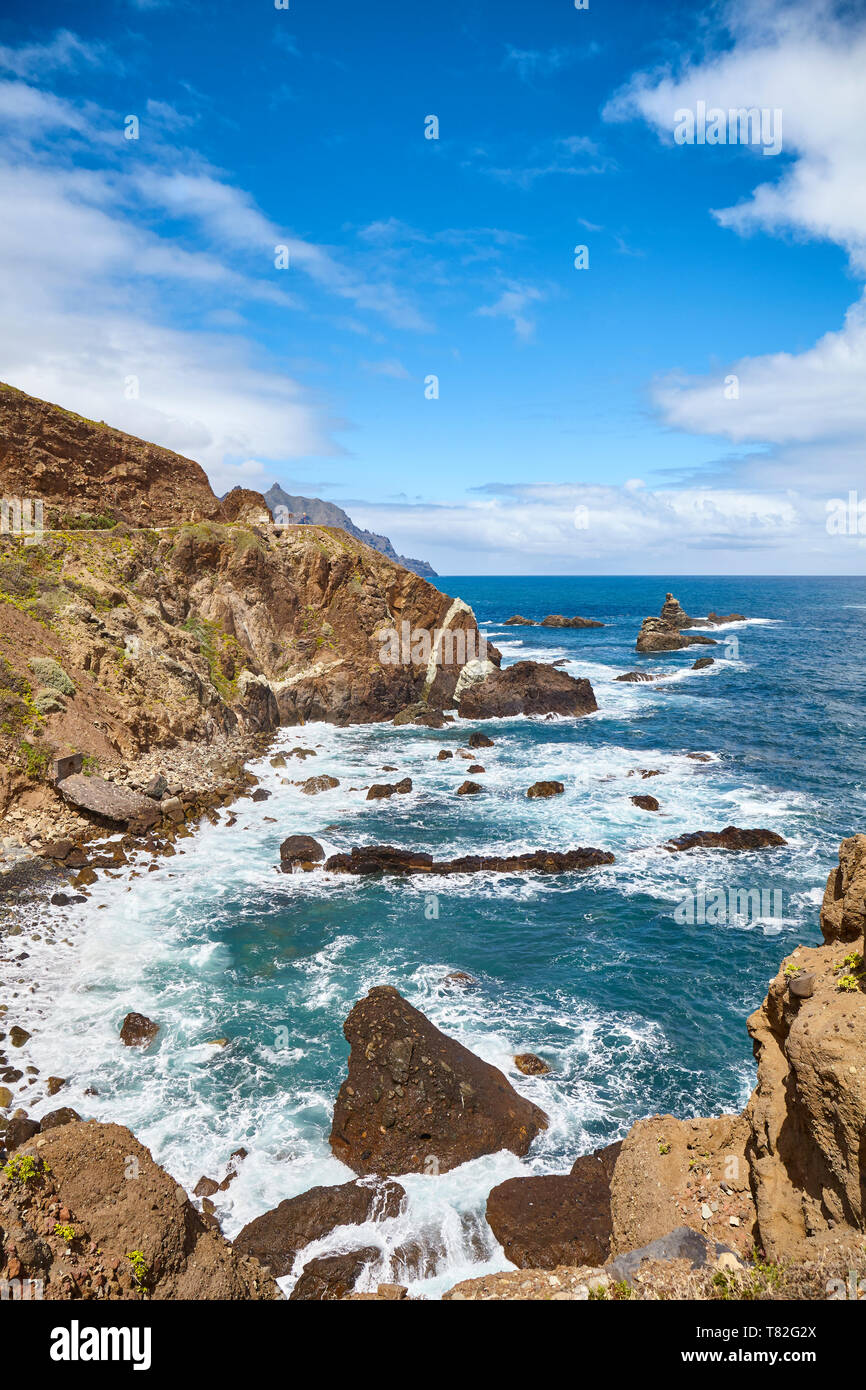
[(84, 467), (789, 1174)]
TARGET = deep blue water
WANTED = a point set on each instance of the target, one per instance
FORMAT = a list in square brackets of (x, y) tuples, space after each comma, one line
[(636, 1011)]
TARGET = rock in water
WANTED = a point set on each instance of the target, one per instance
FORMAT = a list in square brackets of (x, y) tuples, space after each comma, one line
[(636, 677), (138, 1030), (333, 1276), (731, 838), (478, 740), (319, 784), (276, 1237), (528, 687), (703, 662), (543, 789), (386, 859), (530, 1065), (646, 803), (557, 620), (107, 799), (562, 1219), (300, 849), (417, 1101)]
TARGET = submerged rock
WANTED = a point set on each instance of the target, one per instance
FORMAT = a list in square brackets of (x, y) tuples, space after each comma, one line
[(300, 849), (416, 1100)]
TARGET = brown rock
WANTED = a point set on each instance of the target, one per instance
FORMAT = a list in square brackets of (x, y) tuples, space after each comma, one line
[(843, 911), (731, 838), (637, 677), (703, 662), (646, 803), (469, 788), (564, 1219), (557, 620), (109, 800), (138, 1030), (54, 1083), (544, 789), (378, 859), (416, 1100), (444, 754), (528, 687), (319, 784), (64, 1116), (334, 1276), (530, 1065), (479, 740), (20, 1130), (518, 621), (276, 1237)]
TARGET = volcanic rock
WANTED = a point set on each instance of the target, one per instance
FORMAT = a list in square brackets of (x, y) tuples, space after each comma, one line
[(378, 859), (703, 662), (301, 849), (731, 838), (528, 687), (646, 803), (416, 1100), (469, 788), (544, 789), (275, 1238), (479, 740), (333, 1276), (557, 620), (562, 1219), (138, 1030)]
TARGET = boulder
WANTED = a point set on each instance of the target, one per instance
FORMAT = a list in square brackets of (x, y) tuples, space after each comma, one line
[(20, 1130), (718, 618), (731, 838), (469, 788), (544, 789), (334, 1276), (444, 754), (529, 1065), (300, 849), (275, 1238), (323, 783), (156, 788), (110, 801), (636, 677), (382, 790), (658, 636), (561, 1219), (64, 1116), (138, 1030), (518, 621), (645, 803), (680, 1244), (703, 662), (479, 740), (528, 687), (416, 1100)]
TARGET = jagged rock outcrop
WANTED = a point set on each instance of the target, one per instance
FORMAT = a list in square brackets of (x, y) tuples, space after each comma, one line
[(117, 1202), (731, 838), (665, 633), (275, 1238), (416, 1100), (386, 859), (527, 687)]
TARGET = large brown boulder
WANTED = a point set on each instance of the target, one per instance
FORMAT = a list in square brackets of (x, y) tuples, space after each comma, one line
[(557, 620), (275, 1238), (527, 687), (562, 1219), (110, 801), (300, 849), (416, 1100), (731, 838)]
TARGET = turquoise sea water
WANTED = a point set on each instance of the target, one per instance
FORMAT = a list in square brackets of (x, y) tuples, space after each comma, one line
[(635, 1010)]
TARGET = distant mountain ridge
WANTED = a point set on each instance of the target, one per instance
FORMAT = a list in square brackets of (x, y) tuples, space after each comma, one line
[(329, 514)]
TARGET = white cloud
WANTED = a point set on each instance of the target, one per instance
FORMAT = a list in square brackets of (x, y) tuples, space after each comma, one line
[(512, 304), (64, 51)]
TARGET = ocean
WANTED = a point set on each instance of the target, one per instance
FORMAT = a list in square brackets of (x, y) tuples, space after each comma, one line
[(633, 981)]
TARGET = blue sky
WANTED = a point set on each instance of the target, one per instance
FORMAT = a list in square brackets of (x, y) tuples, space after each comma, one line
[(139, 285)]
